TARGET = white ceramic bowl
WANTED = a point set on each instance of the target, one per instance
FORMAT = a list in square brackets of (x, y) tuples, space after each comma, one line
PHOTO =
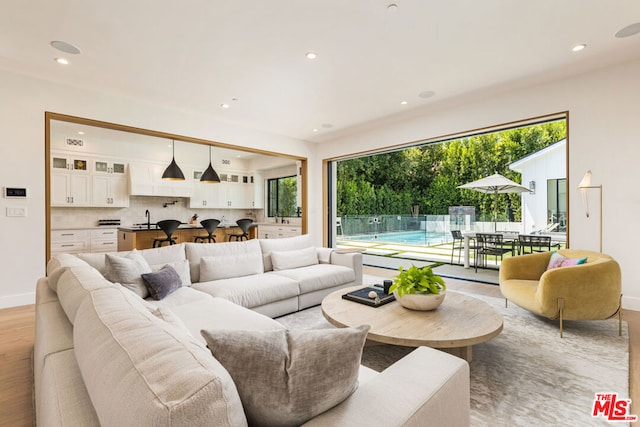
[(422, 302)]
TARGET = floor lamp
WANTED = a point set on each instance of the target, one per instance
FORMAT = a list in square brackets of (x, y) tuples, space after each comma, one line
[(584, 185)]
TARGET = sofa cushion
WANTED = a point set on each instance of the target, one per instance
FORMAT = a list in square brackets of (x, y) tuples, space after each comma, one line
[(287, 377), (74, 287), (317, 277), (127, 270), (57, 265), (286, 244), (139, 370), (162, 282), (233, 259), (251, 291), (285, 260), (207, 312), (64, 400)]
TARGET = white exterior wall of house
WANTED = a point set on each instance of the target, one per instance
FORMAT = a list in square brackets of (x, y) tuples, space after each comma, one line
[(539, 167)]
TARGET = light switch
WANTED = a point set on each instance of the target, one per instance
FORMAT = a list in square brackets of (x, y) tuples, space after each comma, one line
[(18, 211)]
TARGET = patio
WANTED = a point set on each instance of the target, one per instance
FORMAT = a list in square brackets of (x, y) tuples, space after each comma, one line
[(393, 255)]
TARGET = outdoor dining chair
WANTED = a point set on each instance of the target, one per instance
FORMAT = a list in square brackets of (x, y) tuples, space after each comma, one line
[(534, 243), (491, 245)]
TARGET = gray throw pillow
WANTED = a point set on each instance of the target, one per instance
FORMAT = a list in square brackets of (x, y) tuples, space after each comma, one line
[(287, 377), (127, 270), (162, 282)]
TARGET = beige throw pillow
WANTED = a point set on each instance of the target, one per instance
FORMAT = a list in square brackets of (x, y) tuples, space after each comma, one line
[(128, 270), (287, 377)]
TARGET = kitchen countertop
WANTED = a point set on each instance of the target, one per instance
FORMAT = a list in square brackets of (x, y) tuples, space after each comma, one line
[(182, 227)]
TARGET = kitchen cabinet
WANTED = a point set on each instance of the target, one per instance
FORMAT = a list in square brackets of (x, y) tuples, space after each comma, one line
[(109, 191), (278, 231), (69, 241), (146, 180), (235, 190), (78, 180), (84, 240), (103, 240), (68, 189)]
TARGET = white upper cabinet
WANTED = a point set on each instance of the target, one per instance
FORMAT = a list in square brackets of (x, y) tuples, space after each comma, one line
[(78, 180), (146, 180)]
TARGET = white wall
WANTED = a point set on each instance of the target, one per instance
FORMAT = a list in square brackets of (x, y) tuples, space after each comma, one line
[(603, 136), (23, 103)]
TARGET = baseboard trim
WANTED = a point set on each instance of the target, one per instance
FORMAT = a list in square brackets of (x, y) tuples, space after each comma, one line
[(9, 301), (631, 303)]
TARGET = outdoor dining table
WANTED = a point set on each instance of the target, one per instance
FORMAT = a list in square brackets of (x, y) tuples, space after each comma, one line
[(508, 237)]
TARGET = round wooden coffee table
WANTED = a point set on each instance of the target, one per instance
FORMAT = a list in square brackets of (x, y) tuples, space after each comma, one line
[(460, 322)]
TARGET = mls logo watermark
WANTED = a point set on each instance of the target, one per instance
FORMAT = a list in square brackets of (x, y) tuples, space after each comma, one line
[(611, 408)]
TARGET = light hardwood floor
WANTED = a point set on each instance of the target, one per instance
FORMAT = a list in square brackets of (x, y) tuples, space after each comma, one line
[(17, 335)]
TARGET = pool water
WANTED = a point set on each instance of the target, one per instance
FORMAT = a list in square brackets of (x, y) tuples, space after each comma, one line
[(417, 238)]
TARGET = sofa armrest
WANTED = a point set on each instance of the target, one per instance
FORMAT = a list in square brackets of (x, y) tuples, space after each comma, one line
[(352, 260), (426, 387), (524, 267)]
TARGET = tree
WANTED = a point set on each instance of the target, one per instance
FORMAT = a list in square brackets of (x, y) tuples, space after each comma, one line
[(428, 176)]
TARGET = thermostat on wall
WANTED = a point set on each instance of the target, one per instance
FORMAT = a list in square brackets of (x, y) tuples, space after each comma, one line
[(15, 192)]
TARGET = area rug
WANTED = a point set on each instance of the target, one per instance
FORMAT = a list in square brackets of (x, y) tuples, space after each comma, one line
[(528, 375)]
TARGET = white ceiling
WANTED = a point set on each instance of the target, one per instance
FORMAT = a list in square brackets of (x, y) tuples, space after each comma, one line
[(195, 55)]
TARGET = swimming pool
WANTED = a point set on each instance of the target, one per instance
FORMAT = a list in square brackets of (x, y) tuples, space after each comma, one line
[(417, 238)]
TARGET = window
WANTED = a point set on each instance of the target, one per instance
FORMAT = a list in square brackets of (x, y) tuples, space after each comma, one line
[(557, 203), (281, 196)]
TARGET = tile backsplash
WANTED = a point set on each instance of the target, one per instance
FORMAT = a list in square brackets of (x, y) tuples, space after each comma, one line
[(159, 207)]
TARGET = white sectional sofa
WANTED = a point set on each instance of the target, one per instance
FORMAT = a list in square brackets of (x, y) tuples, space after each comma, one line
[(105, 356)]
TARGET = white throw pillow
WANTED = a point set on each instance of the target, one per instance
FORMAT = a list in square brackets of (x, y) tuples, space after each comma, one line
[(286, 260), (181, 267), (127, 270)]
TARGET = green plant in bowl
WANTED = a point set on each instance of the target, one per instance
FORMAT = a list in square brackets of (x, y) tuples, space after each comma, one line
[(416, 280)]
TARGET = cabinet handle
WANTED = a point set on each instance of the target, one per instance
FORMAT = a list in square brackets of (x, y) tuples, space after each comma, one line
[(67, 246)]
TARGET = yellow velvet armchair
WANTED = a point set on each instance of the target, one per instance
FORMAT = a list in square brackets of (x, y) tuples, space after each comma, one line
[(589, 291)]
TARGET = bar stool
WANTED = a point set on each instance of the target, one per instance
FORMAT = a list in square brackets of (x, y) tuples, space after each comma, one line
[(244, 225), (169, 226), (210, 226)]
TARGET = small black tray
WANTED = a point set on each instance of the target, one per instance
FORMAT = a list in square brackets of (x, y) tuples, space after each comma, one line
[(362, 296)]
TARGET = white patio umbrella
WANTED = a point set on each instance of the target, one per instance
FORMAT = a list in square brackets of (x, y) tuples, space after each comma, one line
[(495, 184)]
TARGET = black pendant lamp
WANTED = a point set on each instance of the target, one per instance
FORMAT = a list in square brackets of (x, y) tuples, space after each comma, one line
[(173, 171), (210, 175)]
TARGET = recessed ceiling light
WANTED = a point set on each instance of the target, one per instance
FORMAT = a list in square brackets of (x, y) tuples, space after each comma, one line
[(629, 30), (426, 94), (392, 7), (62, 61), (404, 102), (315, 130), (224, 105), (311, 55), (80, 132), (65, 47), (579, 47)]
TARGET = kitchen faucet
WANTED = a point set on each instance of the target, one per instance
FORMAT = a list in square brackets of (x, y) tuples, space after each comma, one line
[(148, 216)]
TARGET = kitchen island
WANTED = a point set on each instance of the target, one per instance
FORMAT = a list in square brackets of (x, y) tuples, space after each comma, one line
[(130, 238)]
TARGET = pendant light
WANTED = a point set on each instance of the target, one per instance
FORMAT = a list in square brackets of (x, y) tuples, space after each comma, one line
[(173, 171), (210, 176)]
